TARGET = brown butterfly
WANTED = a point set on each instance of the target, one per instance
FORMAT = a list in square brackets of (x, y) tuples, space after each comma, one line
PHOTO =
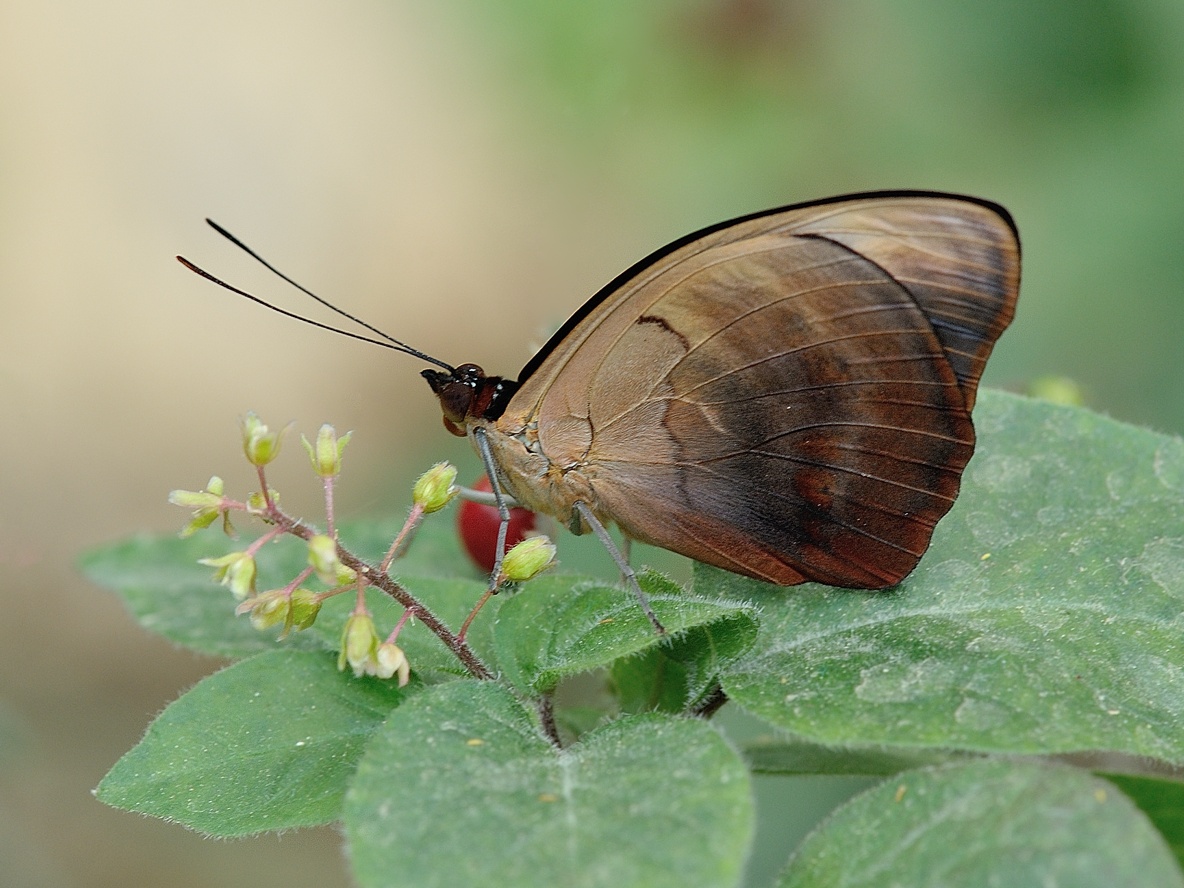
[(786, 395)]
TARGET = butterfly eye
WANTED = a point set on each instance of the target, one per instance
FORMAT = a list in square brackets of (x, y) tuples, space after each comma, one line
[(470, 373)]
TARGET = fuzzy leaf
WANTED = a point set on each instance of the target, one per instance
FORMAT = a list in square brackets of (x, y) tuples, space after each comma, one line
[(462, 789), (556, 627), (1024, 825), (266, 744), (1163, 802)]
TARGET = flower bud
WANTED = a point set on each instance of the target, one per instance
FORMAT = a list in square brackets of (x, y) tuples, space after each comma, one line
[(389, 660), (435, 489), (260, 444), (305, 607), (326, 453), (322, 557), (359, 643), (192, 499), (207, 505), (528, 559), (236, 571), (270, 610), (257, 503)]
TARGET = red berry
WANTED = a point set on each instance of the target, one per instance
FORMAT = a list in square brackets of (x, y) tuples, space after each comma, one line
[(477, 525)]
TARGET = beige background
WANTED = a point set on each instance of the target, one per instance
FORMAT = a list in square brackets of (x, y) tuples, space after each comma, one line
[(346, 142)]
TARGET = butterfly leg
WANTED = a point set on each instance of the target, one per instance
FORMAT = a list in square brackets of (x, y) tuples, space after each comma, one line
[(626, 554), (503, 510), (627, 572)]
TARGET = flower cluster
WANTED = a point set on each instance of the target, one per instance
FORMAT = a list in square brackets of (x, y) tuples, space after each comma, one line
[(294, 606)]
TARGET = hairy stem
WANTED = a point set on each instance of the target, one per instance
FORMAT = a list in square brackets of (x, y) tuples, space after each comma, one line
[(711, 703), (546, 709), (380, 580), (409, 528)]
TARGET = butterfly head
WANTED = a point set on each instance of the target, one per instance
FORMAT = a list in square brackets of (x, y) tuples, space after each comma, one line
[(467, 393)]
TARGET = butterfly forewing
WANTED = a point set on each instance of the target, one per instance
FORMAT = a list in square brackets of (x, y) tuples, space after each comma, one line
[(786, 396)]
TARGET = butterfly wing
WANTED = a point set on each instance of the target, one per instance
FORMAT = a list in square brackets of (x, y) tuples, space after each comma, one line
[(788, 395)]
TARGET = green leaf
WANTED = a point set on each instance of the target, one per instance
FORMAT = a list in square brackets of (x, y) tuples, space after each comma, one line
[(170, 594), (1160, 800), (986, 823), (1046, 617), (558, 626), (461, 789), (651, 682), (266, 744)]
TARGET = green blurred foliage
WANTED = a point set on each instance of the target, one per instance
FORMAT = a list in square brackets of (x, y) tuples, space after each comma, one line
[(1069, 112)]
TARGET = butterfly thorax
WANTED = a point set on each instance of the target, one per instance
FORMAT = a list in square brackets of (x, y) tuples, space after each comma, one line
[(469, 399), (535, 479)]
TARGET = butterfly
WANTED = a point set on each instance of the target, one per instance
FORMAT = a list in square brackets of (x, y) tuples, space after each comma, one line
[(786, 395)]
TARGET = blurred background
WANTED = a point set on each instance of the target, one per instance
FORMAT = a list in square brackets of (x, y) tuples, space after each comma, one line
[(464, 174)]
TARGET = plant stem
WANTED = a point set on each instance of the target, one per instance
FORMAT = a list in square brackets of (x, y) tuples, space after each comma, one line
[(546, 708), (409, 527), (408, 613), (328, 485), (711, 703), (464, 629), (269, 506)]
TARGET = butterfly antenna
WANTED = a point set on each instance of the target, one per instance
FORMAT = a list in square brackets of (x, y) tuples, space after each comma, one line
[(390, 341)]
